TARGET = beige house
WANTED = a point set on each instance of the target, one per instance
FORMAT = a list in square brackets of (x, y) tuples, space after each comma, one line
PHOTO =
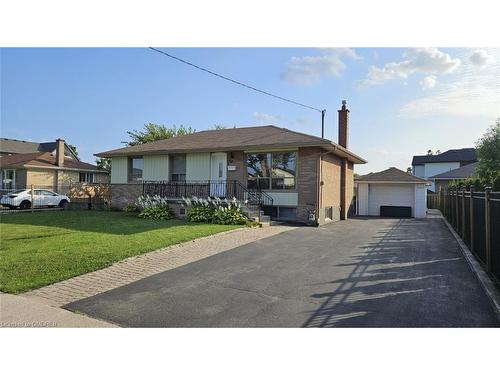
[(287, 174), (51, 169)]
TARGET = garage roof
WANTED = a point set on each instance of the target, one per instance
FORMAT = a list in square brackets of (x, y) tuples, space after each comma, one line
[(392, 175)]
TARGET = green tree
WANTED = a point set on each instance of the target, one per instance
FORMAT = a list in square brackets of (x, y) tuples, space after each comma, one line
[(217, 127), (154, 132), (73, 148), (488, 155), (103, 163)]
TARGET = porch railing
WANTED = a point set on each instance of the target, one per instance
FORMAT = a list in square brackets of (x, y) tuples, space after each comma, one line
[(204, 189)]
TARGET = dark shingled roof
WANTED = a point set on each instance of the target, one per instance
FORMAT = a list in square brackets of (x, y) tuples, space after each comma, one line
[(460, 155), (466, 171), (390, 175), (43, 159), (256, 137), (15, 146)]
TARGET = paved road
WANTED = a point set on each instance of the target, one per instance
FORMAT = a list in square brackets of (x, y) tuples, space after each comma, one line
[(358, 273)]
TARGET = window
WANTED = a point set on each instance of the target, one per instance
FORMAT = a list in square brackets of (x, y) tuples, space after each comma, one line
[(9, 179), (178, 177), (271, 170), (178, 168), (259, 171), (136, 165), (86, 177), (283, 172)]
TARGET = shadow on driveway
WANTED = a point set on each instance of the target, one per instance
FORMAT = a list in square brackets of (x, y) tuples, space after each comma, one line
[(357, 273)]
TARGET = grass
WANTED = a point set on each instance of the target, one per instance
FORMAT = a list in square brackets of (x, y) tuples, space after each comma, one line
[(41, 248)]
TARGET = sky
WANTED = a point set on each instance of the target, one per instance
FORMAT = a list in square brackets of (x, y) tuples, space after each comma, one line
[(403, 101)]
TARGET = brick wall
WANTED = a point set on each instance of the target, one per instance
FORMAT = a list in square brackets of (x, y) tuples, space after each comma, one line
[(330, 188), (307, 181), (349, 186), (123, 194), (239, 161)]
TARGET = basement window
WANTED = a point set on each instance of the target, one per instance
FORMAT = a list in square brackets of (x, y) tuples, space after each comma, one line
[(86, 177)]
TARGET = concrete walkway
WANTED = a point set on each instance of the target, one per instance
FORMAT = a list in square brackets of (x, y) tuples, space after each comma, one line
[(21, 312), (364, 272), (139, 267)]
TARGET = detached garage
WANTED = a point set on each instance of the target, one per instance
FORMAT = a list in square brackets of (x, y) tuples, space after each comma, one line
[(391, 193)]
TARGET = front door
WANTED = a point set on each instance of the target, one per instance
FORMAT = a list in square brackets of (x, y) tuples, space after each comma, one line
[(218, 174)]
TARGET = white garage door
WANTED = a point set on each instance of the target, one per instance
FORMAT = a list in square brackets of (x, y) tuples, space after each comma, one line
[(390, 195)]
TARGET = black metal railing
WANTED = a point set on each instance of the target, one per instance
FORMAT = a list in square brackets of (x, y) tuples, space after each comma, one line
[(475, 216), (253, 200)]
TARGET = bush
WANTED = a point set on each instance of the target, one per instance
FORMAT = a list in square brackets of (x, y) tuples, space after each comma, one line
[(200, 214), (215, 211), (157, 212), (131, 208), (229, 216)]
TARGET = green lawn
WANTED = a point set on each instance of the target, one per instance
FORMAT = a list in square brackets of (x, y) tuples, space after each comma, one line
[(40, 248)]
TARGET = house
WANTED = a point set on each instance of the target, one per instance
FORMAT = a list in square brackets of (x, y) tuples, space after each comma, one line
[(294, 176), (14, 146), (441, 180), (49, 165), (425, 166), (391, 192)]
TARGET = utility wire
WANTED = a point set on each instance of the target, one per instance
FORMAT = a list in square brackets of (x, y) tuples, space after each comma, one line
[(234, 81)]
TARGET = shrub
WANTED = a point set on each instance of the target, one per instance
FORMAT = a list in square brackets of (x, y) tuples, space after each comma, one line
[(215, 211), (200, 214), (157, 212), (230, 215), (131, 208)]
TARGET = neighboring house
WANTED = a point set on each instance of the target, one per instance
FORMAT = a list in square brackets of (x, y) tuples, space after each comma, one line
[(14, 146), (425, 166), (391, 192), (303, 177), (442, 180), (49, 169)]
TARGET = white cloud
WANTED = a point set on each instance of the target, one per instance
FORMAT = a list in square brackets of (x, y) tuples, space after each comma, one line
[(459, 99), (428, 82), (470, 92), (481, 57), (416, 60), (268, 119), (308, 70)]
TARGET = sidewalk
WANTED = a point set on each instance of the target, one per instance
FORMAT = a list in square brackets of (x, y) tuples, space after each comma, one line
[(18, 311)]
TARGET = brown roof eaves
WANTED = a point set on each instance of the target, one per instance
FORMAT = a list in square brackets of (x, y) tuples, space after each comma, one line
[(252, 141), (390, 175), (45, 160)]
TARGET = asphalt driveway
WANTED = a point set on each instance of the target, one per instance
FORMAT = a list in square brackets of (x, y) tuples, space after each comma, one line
[(357, 273)]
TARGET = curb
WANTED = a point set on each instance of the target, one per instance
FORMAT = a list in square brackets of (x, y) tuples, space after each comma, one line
[(487, 284)]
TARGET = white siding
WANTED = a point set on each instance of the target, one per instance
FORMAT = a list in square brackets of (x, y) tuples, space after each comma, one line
[(155, 168), (362, 199), (284, 199), (390, 195), (432, 169), (420, 200), (419, 171), (119, 170), (198, 166)]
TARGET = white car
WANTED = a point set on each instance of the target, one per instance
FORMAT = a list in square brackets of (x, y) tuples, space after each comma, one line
[(42, 198)]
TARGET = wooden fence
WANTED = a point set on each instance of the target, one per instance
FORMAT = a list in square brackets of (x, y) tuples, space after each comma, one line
[(475, 216)]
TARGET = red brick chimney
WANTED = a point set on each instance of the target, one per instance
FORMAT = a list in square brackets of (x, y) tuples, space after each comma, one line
[(60, 152), (343, 125)]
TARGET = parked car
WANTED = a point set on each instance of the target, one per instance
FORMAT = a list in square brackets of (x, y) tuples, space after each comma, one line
[(42, 198)]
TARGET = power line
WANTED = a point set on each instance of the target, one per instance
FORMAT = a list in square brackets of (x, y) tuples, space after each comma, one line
[(234, 81)]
